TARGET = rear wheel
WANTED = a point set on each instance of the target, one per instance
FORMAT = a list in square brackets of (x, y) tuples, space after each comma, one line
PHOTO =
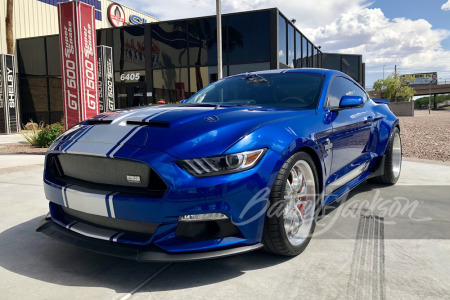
[(290, 220), (393, 159)]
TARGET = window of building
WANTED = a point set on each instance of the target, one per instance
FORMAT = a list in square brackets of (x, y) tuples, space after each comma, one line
[(305, 63), (298, 50), (53, 56), (169, 44), (282, 57), (291, 46), (129, 48), (31, 56), (172, 85), (350, 66), (248, 37), (202, 41)]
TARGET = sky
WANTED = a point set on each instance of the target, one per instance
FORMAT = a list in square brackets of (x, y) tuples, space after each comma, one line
[(412, 34)]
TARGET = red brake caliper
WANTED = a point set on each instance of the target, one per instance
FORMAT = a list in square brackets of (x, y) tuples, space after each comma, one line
[(301, 199)]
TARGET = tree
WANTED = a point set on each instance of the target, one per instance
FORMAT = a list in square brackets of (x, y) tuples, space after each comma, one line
[(395, 87), (9, 27)]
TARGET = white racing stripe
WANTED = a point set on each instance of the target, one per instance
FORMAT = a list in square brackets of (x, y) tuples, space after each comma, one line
[(87, 201)]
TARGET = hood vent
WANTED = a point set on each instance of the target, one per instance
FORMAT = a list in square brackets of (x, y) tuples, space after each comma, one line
[(98, 122), (149, 123)]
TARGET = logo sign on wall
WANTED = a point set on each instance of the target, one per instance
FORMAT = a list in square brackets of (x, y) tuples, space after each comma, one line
[(78, 61), (116, 15), (105, 78), (9, 114)]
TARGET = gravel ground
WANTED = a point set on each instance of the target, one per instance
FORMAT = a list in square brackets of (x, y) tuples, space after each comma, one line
[(21, 148), (426, 136)]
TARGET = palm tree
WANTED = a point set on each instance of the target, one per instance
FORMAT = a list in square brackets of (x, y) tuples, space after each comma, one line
[(9, 27)]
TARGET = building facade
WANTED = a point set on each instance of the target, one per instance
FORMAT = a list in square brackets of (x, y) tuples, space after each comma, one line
[(168, 60), (33, 18)]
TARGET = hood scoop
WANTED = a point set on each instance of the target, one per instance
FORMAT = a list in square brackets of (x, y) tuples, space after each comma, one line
[(149, 123), (98, 122)]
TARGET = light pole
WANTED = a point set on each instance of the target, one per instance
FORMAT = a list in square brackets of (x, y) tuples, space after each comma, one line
[(383, 71), (429, 100), (219, 40)]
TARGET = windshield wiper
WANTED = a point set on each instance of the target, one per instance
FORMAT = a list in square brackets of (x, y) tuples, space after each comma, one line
[(259, 78)]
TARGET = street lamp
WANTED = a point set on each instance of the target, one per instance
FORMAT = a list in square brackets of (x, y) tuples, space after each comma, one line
[(219, 40), (383, 71)]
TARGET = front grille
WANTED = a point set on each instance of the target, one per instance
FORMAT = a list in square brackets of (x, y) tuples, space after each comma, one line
[(109, 174), (108, 223)]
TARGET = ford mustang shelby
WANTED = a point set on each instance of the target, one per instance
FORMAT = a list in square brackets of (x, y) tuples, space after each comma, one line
[(245, 163)]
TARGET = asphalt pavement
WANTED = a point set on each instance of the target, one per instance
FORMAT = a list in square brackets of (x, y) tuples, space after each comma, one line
[(382, 242)]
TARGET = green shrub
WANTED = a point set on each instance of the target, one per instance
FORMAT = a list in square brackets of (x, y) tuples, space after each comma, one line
[(49, 133)]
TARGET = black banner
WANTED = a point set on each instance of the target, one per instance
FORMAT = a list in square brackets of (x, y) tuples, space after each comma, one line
[(9, 114), (105, 78)]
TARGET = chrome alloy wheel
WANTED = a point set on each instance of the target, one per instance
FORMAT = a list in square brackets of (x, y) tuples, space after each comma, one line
[(299, 197), (396, 155)]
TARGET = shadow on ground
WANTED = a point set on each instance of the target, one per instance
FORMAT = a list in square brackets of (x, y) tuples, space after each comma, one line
[(34, 255)]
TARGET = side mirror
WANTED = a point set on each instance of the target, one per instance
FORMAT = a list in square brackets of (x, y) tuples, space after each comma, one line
[(351, 101)]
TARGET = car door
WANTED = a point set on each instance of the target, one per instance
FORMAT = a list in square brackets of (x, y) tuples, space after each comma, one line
[(351, 130)]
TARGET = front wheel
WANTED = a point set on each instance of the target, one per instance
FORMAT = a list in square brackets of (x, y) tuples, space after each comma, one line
[(290, 219)]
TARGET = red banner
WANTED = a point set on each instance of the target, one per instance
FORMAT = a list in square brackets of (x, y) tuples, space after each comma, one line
[(78, 48)]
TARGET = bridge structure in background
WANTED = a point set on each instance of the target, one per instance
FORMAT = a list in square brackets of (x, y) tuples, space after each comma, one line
[(421, 90)]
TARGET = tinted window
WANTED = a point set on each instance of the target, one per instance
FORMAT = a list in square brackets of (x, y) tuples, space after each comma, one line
[(30, 56), (129, 49), (281, 39), (169, 44), (248, 37), (202, 41), (291, 43), (290, 90), (304, 52), (298, 50), (341, 86), (332, 61), (53, 57), (350, 66)]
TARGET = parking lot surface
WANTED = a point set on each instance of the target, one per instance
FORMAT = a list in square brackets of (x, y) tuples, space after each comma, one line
[(383, 242)]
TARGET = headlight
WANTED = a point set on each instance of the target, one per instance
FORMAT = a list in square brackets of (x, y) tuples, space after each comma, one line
[(225, 164)]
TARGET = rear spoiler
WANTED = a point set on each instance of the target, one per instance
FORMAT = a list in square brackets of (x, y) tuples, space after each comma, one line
[(381, 101)]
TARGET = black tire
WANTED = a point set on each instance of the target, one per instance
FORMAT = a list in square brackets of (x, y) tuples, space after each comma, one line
[(390, 176), (275, 239)]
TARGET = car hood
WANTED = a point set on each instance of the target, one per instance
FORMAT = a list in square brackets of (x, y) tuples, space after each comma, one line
[(182, 131)]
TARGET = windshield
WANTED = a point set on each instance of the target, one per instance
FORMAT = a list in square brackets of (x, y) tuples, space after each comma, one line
[(289, 90)]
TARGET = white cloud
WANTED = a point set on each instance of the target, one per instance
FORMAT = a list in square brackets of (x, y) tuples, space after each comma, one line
[(413, 45), (309, 13), (446, 6)]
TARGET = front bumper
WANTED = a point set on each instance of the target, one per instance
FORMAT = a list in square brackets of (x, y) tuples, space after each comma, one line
[(185, 195), (139, 253)]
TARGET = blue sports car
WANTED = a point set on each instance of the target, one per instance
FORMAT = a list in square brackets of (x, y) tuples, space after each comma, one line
[(245, 163)]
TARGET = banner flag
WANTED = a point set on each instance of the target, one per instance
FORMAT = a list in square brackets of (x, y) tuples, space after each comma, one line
[(105, 78), (79, 69)]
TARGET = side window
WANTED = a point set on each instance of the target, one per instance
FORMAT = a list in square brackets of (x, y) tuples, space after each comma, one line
[(341, 86)]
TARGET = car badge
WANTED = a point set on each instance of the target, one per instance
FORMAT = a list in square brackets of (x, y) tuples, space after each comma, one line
[(211, 119), (133, 179)]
